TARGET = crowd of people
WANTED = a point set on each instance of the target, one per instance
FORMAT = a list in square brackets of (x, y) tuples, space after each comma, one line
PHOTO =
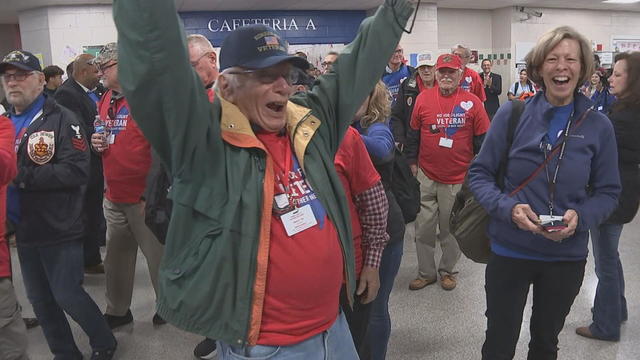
[(264, 194)]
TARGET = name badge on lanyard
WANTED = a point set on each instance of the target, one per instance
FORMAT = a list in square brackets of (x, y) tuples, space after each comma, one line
[(298, 220), (446, 143)]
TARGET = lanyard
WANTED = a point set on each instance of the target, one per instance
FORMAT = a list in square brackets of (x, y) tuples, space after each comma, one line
[(552, 182), (455, 101), (284, 171)]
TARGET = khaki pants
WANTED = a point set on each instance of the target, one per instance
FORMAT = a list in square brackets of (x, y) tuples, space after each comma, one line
[(13, 333), (126, 231), (436, 202)]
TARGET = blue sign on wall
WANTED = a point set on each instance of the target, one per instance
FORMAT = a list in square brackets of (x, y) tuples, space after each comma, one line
[(297, 27)]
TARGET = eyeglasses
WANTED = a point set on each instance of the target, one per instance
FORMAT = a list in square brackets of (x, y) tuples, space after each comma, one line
[(17, 76), (103, 68), (326, 63), (195, 63), (268, 76)]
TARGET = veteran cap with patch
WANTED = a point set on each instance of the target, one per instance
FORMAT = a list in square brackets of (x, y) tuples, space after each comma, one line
[(256, 47), (23, 60), (107, 53), (450, 61)]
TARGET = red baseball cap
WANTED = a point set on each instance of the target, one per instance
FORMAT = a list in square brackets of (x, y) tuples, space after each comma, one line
[(450, 61)]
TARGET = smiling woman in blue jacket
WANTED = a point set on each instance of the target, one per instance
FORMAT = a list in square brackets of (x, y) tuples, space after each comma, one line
[(579, 185)]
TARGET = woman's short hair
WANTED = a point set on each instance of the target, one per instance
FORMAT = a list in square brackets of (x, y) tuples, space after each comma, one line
[(379, 107), (535, 58), (630, 98)]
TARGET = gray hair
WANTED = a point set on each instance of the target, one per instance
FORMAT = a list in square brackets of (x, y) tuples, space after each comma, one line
[(465, 50), (535, 58), (233, 79), (200, 42)]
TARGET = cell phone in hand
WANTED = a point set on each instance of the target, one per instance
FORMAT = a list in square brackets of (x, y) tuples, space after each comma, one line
[(552, 223)]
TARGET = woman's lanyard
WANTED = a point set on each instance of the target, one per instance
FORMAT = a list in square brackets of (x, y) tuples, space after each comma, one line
[(455, 101), (552, 182)]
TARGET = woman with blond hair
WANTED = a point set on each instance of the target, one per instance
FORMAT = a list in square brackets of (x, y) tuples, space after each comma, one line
[(560, 180), (371, 120)]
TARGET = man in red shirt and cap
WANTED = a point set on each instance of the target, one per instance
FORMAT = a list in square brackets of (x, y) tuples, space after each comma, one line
[(470, 80), (448, 127)]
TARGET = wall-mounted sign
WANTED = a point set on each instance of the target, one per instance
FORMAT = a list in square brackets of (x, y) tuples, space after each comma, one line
[(625, 43), (297, 27)]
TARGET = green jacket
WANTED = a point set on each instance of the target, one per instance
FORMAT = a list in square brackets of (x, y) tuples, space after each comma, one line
[(213, 276)]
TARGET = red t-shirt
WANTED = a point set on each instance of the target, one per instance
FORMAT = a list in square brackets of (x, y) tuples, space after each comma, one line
[(357, 175), (458, 117), (7, 172), (472, 82), (305, 271), (127, 160)]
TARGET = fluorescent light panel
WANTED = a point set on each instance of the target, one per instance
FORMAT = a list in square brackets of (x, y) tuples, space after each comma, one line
[(621, 1)]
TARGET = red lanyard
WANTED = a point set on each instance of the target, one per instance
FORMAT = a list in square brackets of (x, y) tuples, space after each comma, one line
[(455, 101), (287, 167)]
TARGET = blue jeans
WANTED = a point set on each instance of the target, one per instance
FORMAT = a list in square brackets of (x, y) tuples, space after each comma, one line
[(377, 339), (609, 306), (332, 344), (53, 278)]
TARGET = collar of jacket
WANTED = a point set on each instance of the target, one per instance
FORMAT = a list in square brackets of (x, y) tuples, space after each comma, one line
[(236, 128), (581, 103)]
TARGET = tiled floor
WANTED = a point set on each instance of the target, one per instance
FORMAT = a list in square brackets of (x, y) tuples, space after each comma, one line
[(429, 324)]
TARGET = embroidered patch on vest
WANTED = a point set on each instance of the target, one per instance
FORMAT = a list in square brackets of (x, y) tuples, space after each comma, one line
[(41, 147)]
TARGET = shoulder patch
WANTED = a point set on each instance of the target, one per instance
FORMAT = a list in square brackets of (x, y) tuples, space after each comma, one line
[(41, 147)]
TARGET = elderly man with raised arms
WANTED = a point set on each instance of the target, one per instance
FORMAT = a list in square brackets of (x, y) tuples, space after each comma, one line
[(259, 242)]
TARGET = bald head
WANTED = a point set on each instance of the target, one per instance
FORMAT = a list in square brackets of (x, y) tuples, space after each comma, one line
[(84, 72)]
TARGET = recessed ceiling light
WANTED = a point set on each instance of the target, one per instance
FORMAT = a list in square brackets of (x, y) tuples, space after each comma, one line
[(621, 1)]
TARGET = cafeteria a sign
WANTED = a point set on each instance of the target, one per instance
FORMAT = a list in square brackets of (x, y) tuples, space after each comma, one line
[(294, 26), (288, 24)]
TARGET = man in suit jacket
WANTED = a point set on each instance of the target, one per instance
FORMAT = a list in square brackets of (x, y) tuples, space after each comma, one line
[(492, 88), (80, 94)]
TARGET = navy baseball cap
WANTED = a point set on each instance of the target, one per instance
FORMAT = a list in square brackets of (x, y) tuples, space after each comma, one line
[(256, 47), (22, 60)]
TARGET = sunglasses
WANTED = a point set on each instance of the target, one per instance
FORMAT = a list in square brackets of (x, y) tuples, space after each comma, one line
[(17, 76), (268, 76)]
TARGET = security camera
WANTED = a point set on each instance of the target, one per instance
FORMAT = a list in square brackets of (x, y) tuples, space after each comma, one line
[(530, 12)]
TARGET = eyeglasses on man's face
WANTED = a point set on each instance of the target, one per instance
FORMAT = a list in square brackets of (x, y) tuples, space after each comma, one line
[(197, 61), (102, 68), (271, 75), (17, 76)]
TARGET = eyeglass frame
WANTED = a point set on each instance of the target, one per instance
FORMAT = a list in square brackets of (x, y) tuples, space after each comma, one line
[(16, 76), (292, 78), (102, 68), (196, 62)]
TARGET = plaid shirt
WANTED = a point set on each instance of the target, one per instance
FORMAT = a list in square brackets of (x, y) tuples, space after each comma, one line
[(373, 210)]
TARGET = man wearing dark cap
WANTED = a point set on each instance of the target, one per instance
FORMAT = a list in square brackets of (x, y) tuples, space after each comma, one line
[(448, 125), (53, 170), (259, 242)]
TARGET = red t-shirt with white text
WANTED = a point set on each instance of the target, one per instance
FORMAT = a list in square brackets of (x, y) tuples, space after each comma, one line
[(472, 82), (457, 117), (357, 174), (127, 161), (305, 271)]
